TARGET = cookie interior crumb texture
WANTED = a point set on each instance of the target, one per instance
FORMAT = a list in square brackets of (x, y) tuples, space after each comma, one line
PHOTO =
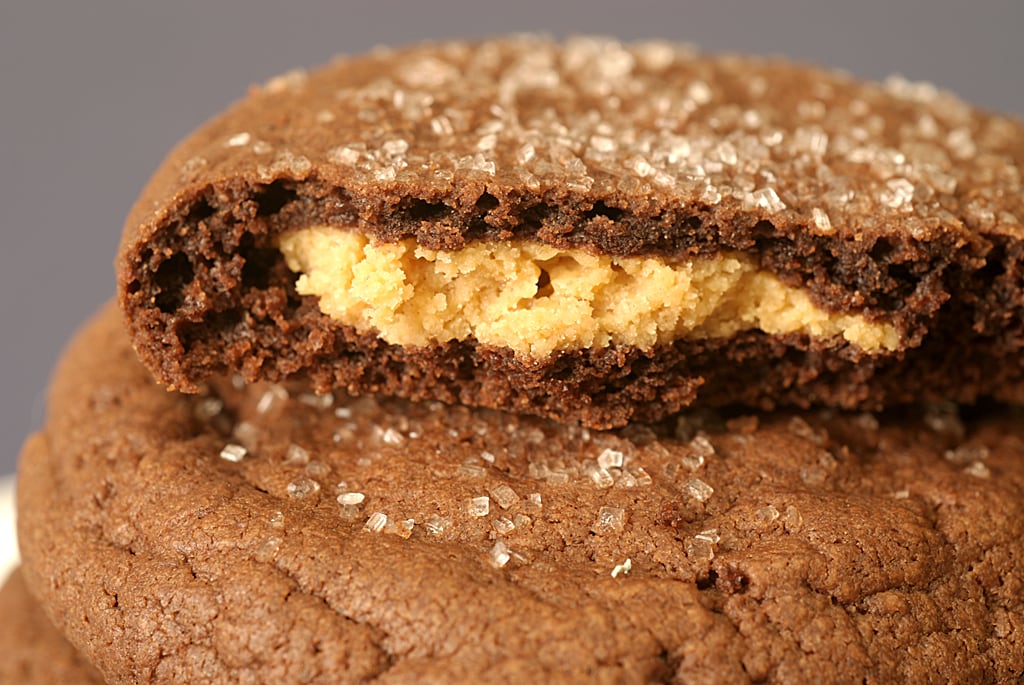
[(537, 299), (850, 244)]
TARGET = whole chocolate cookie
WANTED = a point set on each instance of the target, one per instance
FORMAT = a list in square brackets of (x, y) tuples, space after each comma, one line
[(32, 652), (589, 231), (259, 534)]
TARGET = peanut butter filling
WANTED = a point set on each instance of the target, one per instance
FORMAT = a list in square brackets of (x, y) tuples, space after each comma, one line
[(537, 299)]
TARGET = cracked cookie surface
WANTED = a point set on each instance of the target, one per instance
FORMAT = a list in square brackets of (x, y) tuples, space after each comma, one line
[(34, 652), (263, 534)]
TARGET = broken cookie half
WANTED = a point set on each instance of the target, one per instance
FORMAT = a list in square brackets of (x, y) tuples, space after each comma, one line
[(588, 231)]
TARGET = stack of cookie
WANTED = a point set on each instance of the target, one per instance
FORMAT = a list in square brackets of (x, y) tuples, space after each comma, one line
[(525, 361)]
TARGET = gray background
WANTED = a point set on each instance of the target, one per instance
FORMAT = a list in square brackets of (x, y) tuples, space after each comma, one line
[(92, 95)]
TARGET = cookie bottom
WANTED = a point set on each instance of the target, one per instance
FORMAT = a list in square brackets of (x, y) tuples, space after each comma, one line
[(263, 534), (33, 651)]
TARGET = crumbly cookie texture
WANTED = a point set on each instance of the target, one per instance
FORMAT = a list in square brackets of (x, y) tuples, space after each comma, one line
[(894, 205), (263, 534), (536, 299), (34, 653)]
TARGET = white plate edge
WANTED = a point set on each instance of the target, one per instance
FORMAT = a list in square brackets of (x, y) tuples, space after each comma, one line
[(8, 533)]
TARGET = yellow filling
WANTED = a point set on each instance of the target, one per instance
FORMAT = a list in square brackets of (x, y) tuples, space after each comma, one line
[(537, 299)]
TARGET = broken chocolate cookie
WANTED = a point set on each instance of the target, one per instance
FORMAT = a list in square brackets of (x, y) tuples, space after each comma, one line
[(588, 231)]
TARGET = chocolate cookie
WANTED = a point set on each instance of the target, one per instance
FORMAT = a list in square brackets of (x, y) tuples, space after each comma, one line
[(259, 534), (588, 231), (32, 652)]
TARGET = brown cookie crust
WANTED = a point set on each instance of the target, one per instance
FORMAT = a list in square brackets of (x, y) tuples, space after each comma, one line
[(897, 201), (34, 653), (844, 548)]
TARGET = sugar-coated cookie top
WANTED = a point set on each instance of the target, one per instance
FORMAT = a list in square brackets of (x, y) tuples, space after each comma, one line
[(645, 130)]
